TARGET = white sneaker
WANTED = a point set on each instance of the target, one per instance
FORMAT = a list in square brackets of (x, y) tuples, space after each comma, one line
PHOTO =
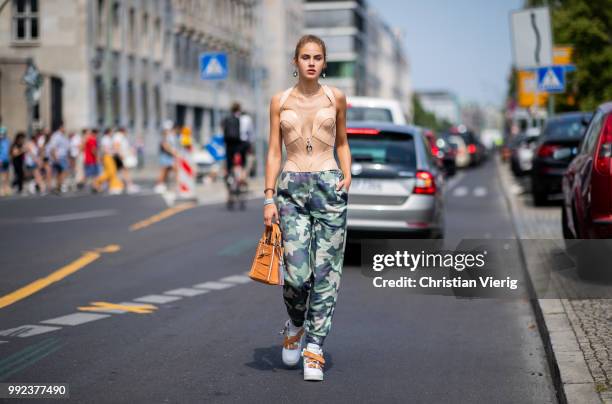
[(160, 188), (292, 344), (313, 362)]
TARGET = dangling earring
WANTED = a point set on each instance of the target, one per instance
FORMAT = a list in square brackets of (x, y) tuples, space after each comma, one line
[(295, 73), (323, 75)]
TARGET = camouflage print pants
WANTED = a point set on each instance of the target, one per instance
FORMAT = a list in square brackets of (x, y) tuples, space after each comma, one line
[(312, 217)]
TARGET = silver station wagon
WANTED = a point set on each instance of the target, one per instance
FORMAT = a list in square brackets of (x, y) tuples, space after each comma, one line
[(396, 188)]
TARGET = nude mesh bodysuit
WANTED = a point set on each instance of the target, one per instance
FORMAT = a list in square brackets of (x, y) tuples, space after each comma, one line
[(311, 118)]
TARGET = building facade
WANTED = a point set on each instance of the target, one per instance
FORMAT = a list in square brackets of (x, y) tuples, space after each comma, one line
[(132, 63), (365, 57)]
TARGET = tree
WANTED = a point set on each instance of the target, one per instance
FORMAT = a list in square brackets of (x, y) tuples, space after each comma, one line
[(425, 118), (587, 25)]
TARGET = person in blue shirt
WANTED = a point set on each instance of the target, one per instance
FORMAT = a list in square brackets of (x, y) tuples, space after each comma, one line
[(5, 159)]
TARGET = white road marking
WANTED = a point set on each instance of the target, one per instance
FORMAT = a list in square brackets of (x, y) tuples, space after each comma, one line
[(75, 319), (27, 331), (157, 299), (450, 184), (236, 279), (75, 216), (213, 285), (3, 342), (460, 191), (480, 192), (186, 292)]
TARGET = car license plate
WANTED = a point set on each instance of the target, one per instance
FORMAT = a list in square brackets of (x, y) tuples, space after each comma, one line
[(365, 185)]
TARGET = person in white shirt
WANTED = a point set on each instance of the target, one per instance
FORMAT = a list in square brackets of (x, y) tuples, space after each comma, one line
[(76, 158), (109, 175)]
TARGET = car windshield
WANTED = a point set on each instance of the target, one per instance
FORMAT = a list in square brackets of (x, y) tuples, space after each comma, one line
[(369, 114), (566, 128), (384, 148)]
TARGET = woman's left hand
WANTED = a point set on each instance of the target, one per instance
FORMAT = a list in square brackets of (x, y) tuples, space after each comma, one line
[(344, 183)]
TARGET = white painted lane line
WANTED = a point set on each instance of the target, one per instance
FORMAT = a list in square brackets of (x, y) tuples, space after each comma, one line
[(213, 285), (236, 279), (186, 292), (157, 299), (480, 192), (460, 191), (75, 319), (27, 331), (3, 342), (75, 216)]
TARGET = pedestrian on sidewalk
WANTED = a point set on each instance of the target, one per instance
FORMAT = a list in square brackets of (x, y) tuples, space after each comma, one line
[(124, 159), (311, 202), (76, 159), (109, 173), (235, 143), (59, 147), (33, 165), (167, 154), (5, 161), (90, 155), (17, 158)]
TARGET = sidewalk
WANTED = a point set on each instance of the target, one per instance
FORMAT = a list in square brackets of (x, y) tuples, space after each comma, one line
[(577, 332)]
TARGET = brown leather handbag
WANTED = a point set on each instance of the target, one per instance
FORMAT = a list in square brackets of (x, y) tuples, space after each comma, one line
[(268, 264)]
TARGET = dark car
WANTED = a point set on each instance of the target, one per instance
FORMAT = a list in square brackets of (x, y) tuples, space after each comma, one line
[(555, 149), (447, 152), (396, 188), (521, 152)]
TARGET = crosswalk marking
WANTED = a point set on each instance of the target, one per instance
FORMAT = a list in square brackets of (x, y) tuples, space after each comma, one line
[(463, 190), (75, 319)]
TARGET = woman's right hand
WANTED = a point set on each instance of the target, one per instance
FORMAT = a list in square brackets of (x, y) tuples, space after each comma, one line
[(270, 214)]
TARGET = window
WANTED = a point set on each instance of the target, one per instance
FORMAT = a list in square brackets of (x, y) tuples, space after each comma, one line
[(329, 18), (340, 69), (342, 43), (592, 133), (145, 104), (369, 114), (25, 20), (132, 23)]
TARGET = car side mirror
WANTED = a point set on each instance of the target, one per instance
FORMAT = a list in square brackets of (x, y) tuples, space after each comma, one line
[(585, 121)]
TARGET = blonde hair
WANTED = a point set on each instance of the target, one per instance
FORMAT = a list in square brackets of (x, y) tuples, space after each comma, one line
[(310, 38)]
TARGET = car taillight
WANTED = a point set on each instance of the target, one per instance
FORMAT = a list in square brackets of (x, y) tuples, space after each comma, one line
[(425, 184), (434, 150), (547, 150), (362, 131), (472, 149), (604, 153)]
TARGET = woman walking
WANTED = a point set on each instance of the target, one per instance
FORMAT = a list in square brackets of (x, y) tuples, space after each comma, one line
[(311, 202), (18, 152)]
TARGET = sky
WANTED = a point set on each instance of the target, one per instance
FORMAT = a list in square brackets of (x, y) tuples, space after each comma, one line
[(463, 45)]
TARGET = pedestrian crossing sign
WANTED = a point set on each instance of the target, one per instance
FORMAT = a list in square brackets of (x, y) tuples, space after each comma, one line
[(551, 79), (213, 65)]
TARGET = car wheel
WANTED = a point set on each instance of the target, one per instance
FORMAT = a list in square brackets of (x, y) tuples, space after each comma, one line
[(567, 233), (540, 197)]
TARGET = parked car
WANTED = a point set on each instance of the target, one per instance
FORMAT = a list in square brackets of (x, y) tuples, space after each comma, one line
[(396, 187), (522, 149), (587, 196), (475, 148), (374, 109), (587, 182), (447, 152), (555, 149)]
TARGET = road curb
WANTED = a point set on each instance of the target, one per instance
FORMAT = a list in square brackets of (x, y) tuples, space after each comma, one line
[(568, 367)]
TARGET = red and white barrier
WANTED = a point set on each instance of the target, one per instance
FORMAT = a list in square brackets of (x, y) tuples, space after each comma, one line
[(186, 177)]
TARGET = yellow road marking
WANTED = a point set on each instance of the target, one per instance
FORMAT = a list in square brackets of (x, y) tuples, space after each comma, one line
[(140, 309), (86, 259), (164, 214)]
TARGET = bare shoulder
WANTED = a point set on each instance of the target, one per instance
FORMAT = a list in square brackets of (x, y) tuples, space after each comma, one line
[(339, 95), (275, 100)]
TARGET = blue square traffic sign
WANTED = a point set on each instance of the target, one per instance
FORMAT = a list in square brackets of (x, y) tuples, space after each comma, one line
[(213, 66), (551, 79)]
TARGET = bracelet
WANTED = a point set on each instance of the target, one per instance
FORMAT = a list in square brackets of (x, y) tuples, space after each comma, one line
[(268, 201), (273, 190)]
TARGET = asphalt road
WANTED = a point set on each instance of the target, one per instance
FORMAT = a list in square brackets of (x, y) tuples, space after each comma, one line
[(222, 344)]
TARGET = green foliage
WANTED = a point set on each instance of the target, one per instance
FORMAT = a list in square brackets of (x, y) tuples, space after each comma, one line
[(427, 119), (587, 25)]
